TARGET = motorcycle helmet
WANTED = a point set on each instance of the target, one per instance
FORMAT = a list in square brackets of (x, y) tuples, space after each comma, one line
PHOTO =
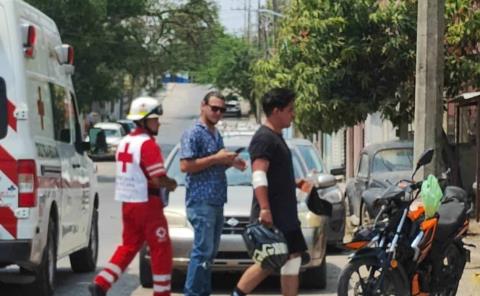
[(317, 205), (266, 246)]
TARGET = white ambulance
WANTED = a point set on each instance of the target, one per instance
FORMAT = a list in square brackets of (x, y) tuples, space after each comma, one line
[(48, 202)]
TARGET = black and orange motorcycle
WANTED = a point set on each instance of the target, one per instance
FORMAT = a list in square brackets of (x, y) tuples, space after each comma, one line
[(405, 253)]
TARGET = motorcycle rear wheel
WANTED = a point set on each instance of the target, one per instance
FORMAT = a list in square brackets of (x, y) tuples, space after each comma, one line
[(362, 277)]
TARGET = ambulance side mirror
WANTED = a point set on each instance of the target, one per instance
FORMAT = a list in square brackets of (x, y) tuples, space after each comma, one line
[(82, 146)]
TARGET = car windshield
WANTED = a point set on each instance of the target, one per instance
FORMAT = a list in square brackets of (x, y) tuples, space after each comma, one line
[(112, 133), (312, 160), (234, 176), (391, 160)]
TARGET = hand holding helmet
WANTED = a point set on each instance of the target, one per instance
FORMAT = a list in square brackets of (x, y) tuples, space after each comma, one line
[(266, 245)]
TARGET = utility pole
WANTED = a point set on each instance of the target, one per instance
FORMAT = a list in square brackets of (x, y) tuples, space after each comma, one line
[(275, 21), (249, 20), (258, 106), (429, 82)]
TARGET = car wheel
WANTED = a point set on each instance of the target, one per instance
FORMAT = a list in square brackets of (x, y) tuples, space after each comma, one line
[(45, 274), (146, 279), (365, 218), (315, 277), (178, 279), (85, 260)]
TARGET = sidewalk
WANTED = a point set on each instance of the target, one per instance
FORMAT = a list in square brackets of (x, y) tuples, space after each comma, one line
[(470, 282)]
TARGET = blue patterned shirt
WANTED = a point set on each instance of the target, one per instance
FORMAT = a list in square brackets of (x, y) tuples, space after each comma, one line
[(210, 184)]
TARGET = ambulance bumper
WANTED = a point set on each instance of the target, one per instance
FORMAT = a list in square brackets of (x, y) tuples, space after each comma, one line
[(15, 251)]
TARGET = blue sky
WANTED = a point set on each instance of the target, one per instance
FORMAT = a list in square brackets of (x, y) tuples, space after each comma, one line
[(234, 20)]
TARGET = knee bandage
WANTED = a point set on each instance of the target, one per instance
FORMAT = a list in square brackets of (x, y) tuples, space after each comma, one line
[(259, 178), (291, 267)]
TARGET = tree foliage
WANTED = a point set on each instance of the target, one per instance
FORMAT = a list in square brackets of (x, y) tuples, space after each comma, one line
[(229, 66), (136, 39), (348, 58)]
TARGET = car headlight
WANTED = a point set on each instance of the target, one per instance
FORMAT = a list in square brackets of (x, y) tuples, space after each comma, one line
[(176, 219), (309, 219), (333, 195)]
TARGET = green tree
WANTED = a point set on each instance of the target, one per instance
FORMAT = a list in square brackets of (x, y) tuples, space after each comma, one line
[(139, 39), (229, 66), (348, 58)]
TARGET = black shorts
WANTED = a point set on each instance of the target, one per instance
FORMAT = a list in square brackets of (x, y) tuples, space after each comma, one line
[(295, 241)]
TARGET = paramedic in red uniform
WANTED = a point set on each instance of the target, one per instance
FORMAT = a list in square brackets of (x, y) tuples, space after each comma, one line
[(140, 173)]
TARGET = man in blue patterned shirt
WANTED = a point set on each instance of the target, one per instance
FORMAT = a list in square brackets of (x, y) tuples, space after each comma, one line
[(204, 158)]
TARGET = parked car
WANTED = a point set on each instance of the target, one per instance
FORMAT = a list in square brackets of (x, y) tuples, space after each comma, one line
[(127, 124), (233, 108), (379, 166), (232, 255), (330, 191), (111, 133)]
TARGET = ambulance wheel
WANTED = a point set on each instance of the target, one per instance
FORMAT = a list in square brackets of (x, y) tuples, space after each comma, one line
[(85, 260), (146, 279), (45, 274)]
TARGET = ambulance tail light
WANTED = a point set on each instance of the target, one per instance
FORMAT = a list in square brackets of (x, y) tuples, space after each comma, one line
[(27, 183), (29, 34), (71, 54), (65, 54)]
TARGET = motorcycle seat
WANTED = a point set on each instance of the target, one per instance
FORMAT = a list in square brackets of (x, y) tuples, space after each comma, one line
[(456, 193), (452, 215)]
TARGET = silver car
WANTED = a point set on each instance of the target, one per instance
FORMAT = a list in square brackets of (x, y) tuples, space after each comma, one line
[(232, 254), (330, 191)]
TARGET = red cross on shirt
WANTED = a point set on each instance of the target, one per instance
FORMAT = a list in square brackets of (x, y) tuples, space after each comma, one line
[(125, 157)]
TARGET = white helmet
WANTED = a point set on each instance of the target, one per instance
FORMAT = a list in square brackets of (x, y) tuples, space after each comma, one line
[(144, 107)]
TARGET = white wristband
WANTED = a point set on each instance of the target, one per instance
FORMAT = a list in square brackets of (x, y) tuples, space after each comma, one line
[(259, 178)]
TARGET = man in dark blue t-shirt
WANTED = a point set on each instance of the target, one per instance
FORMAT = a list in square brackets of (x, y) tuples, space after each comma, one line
[(274, 185)]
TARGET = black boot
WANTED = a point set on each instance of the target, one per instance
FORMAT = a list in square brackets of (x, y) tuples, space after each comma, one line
[(96, 290)]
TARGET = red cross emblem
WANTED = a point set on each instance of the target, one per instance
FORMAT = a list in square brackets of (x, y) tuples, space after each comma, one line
[(41, 107), (125, 157)]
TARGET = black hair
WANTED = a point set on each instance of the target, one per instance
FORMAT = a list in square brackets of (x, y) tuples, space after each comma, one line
[(213, 93), (277, 98)]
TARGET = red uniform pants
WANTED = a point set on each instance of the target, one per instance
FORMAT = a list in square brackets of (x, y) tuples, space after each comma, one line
[(142, 222)]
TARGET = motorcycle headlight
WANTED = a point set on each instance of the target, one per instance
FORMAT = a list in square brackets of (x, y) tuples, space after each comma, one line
[(332, 195)]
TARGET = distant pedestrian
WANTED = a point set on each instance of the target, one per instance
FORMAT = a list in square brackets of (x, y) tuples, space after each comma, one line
[(274, 185), (204, 159), (140, 175)]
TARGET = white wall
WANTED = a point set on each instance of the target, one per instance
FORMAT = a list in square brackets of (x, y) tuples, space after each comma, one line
[(378, 130)]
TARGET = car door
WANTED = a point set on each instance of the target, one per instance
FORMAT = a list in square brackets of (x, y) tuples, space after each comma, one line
[(81, 170), (64, 127), (359, 183)]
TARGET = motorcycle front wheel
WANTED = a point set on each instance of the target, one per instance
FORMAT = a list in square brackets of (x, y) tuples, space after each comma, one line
[(368, 277)]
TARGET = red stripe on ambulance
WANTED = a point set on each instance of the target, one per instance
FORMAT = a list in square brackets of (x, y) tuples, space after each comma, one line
[(8, 221), (8, 165), (12, 121)]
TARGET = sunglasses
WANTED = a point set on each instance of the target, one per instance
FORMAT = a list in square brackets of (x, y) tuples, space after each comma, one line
[(217, 109)]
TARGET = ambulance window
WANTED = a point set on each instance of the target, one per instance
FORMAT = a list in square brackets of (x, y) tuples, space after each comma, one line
[(3, 109), (62, 112), (78, 129)]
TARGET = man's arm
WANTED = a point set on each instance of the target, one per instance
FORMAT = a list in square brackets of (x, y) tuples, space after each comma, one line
[(163, 181), (260, 167), (194, 165)]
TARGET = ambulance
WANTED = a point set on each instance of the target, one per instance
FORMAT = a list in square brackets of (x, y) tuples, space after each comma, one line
[(48, 198)]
